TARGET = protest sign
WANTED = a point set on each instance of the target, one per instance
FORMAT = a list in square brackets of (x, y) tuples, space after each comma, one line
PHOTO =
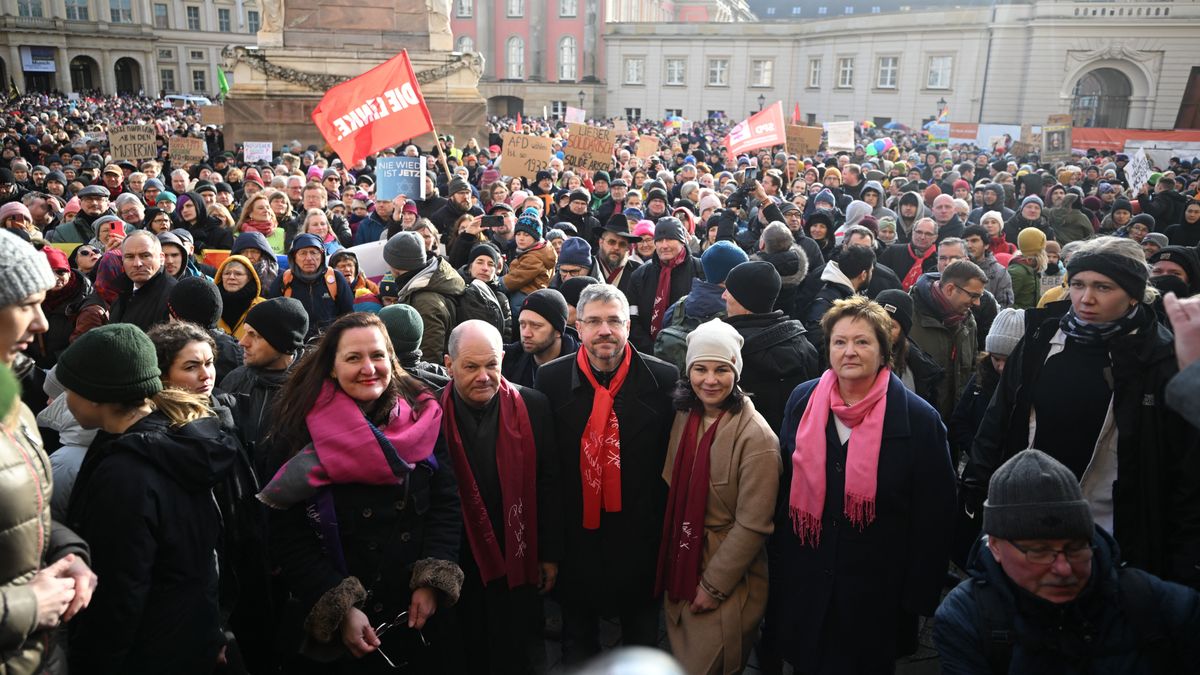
[(1138, 170), (1056, 139), (1021, 149), (212, 114), (400, 176), (647, 147), (132, 142), (761, 130), (841, 136), (589, 148), (382, 107), (621, 126), (256, 151), (576, 115), (524, 155), (803, 141), (186, 151)]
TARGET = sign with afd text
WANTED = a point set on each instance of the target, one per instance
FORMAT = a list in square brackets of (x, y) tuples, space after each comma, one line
[(761, 130), (396, 176), (524, 155), (258, 151), (132, 142), (589, 148)]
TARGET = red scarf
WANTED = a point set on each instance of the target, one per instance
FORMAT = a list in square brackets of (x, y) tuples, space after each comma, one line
[(516, 462), (1000, 245), (682, 547), (918, 266), (600, 447), (662, 294), (610, 277), (265, 227), (806, 500)]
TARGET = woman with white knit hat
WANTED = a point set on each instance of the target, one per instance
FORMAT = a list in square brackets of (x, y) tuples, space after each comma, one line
[(723, 467)]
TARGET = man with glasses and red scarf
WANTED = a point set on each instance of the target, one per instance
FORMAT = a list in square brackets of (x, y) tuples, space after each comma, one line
[(944, 327)]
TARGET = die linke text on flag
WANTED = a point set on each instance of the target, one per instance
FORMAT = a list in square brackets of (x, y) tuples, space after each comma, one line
[(761, 130), (379, 108)]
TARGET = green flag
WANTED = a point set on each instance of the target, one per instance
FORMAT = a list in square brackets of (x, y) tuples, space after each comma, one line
[(222, 83)]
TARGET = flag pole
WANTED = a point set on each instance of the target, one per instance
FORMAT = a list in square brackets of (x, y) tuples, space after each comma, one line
[(437, 139)]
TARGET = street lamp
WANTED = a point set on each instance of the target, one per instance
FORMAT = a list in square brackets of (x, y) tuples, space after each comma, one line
[(762, 100), (582, 95), (941, 105)]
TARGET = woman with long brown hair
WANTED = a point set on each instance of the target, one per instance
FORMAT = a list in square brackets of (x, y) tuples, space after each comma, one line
[(258, 216)]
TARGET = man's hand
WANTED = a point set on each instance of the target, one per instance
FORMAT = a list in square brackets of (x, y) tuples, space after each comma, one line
[(549, 577), (53, 591), (760, 193), (1185, 321), (85, 585)]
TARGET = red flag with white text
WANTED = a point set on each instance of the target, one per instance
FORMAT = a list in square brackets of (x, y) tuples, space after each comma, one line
[(761, 130), (377, 109)]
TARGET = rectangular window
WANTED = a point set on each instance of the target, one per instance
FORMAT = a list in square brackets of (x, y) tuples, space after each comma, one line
[(633, 113), (761, 72), (635, 71), (166, 54), (814, 74), (568, 8), (516, 8), (939, 72), (673, 112), (770, 11), (718, 72), (822, 11), (888, 66), (253, 21), (77, 10), (810, 119), (716, 114), (846, 73), (796, 10), (193, 18), (162, 19), (875, 9), (199, 81), (30, 8), (558, 109), (166, 78), (849, 9), (676, 70), (197, 55), (464, 8), (121, 11), (223, 22)]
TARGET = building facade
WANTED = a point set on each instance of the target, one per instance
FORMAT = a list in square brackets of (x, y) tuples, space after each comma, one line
[(121, 46), (1111, 64)]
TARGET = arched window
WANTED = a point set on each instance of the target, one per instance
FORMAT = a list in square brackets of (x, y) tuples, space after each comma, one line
[(516, 58), (465, 44), (566, 58), (1102, 99)]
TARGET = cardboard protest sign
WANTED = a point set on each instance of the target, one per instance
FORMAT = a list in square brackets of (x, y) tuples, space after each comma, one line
[(133, 142), (761, 130), (647, 147), (256, 151), (186, 151), (621, 126), (524, 155), (841, 135), (589, 148), (803, 141), (400, 176), (1138, 171), (212, 114)]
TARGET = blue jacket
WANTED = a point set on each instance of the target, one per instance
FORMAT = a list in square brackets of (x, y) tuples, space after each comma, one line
[(703, 302), (370, 229), (322, 309)]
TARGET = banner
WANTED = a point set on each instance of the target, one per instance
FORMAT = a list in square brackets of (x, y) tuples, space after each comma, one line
[(803, 141), (841, 136), (132, 142), (400, 176), (258, 151), (761, 130), (379, 108), (186, 151), (1138, 171), (524, 155), (589, 148), (577, 115), (647, 147)]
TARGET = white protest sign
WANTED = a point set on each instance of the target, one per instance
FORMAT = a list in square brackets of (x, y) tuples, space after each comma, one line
[(1138, 171), (841, 135), (575, 115), (256, 151)]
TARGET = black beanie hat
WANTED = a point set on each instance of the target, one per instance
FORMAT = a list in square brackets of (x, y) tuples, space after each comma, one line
[(1033, 496), (483, 248), (196, 299), (116, 363), (755, 285), (900, 305), (1131, 275), (550, 305), (571, 288), (1185, 257), (282, 322)]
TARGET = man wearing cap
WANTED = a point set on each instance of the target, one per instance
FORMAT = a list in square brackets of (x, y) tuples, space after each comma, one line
[(614, 202), (542, 337), (430, 285), (660, 282), (113, 179), (145, 286), (461, 202), (1048, 592), (613, 264), (93, 203), (322, 290)]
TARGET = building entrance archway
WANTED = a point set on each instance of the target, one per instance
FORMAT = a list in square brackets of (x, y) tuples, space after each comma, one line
[(1101, 99), (85, 74), (129, 75)]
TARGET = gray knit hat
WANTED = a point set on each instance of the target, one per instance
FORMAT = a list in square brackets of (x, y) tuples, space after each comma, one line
[(1033, 496), (23, 270), (405, 251), (1007, 330)]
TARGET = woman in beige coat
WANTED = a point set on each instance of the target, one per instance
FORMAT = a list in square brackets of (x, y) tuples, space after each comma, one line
[(723, 467)]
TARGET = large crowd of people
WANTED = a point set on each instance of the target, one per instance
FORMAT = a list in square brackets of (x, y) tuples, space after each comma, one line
[(259, 420)]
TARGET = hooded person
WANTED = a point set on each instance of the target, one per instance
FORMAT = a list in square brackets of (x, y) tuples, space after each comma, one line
[(1186, 232), (872, 193), (322, 290), (198, 301), (819, 227), (430, 285), (1068, 221), (240, 290), (909, 209), (208, 232), (346, 262), (993, 200), (777, 246), (1030, 215), (255, 247), (855, 212)]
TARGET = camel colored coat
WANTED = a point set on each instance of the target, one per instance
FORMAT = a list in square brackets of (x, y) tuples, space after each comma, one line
[(744, 481)]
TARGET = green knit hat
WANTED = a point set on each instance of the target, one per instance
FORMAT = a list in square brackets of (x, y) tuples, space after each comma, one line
[(404, 326), (111, 364)]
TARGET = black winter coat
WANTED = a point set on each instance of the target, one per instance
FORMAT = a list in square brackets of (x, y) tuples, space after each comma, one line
[(850, 604), (47, 346), (777, 357), (144, 501), (520, 367), (146, 306), (254, 391), (641, 295), (613, 566), (1156, 499)]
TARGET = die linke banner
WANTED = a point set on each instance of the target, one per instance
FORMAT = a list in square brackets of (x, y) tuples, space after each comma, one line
[(379, 108), (761, 130)]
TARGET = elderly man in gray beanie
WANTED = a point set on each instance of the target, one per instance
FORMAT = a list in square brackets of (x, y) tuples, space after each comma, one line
[(1048, 591)]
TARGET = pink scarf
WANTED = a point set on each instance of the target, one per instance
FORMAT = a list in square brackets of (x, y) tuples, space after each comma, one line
[(806, 501)]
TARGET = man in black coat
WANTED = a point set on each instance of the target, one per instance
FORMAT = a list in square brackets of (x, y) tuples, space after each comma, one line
[(145, 286), (542, 336), (499, 612), (613, 264), (672, 257), (841, 278), (614, 496), (776, 354), (461, 202)]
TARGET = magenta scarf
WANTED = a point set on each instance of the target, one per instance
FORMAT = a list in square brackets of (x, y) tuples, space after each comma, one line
[(347, 448), (682, 549), (806, 501)]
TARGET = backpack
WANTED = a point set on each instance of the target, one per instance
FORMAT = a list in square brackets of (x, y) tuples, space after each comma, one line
[(330, 283), (479, 301), (670, 344)]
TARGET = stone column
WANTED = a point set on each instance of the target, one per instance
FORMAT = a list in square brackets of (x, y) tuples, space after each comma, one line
[(483, 36), (108, 78), (591, 33), (63, 76), (536, 12)]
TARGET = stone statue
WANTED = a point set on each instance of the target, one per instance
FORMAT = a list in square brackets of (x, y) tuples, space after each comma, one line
[(272, 16), (439, 17)]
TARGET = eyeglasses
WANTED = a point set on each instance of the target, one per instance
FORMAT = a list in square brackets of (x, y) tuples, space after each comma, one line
[(1047, 556), (569, 272), (974, 296), (594, 323), (387, 625)]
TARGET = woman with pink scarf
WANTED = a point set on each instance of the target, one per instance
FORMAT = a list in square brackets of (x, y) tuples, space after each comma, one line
[(865, 509)]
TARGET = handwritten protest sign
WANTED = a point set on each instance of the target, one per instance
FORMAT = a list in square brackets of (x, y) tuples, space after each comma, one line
[(133, 142), (621, 126), (186, 151), (258, 151), (647, 147), (841, 135), (212, 114), (524, 155), (1138, 170), (400, 176), (589, 148), (803, 141)]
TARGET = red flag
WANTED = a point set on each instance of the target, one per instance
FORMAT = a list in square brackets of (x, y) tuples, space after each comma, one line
[(796, 114), (518, 128), (381, 107), (762, 130)]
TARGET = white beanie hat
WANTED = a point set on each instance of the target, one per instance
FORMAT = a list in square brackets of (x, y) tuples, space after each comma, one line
[(1006, 331), (24, 270), (715, 341)]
